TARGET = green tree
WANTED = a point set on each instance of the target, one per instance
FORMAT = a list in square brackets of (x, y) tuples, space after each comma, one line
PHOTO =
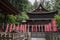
[(11, 19), (58, 21), (47, 6), (35, 4), (23, 5)]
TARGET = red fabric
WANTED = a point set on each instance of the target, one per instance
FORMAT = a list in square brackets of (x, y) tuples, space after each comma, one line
[(14, 27), (55, 29), (54, 22), (54, 25), (47, 28), (34, 28), (17, 27), (21, 27), (10, 28), (50, 27), (7, 27), (25, 27)]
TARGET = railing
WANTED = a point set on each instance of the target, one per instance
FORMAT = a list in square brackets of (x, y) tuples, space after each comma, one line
[(14, 36), (4, 36), (27, 36), (53, 36), (46, 35)]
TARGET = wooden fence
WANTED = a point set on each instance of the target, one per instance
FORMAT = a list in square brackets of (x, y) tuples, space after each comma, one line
[(46, 35), (14, 36), (53, 36), (27, 36)]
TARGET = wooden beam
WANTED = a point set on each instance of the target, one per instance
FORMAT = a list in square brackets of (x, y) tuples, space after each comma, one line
[(7, 8)]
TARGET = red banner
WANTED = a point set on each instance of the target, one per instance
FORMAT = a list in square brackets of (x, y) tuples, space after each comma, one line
[(7, 27), (10, 28)]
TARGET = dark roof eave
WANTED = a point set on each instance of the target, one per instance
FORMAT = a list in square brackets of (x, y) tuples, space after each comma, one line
[(7, 8), (40, 19), (54, 12)]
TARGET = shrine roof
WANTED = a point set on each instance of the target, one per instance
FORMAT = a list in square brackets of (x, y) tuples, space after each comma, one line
[(41, 10), (6, 6), (40, 18)]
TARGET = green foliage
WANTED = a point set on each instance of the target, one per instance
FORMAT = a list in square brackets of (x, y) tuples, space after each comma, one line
[(35, 4), (48, 6), (58, 20), (19, 19), (22, 16), (11, 19), (52, 5), (2, 18), (23, 5)]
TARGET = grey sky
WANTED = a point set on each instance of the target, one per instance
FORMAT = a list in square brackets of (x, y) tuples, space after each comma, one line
[(32, 1)]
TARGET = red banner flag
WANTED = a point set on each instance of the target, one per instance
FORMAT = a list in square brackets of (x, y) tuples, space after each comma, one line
[(55, 29), (25, 27), (14, 27), (21, 27), (17, 28), (54, 25), (50, 27), (32, 28), (7, 27), (54, 22), (10, 28), (47, 28)]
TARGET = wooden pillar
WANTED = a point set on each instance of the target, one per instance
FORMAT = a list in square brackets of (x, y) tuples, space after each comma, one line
[(25, 27), (36, 27), (39, 27), (28, 27), (45, 27), (32, 28)]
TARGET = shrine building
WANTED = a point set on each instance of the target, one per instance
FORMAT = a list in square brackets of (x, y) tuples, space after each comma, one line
[(40, 20)]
